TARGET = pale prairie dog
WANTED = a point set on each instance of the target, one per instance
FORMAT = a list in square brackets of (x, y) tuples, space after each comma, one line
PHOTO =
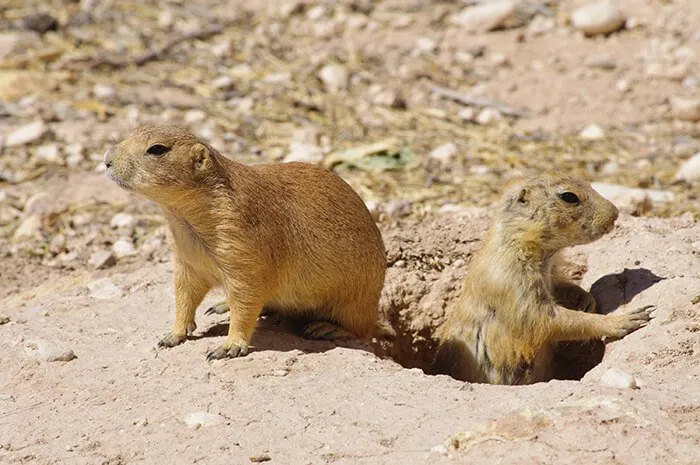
[(504, 327), (291, 238)]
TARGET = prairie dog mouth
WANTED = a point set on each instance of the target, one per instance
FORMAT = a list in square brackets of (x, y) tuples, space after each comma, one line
[(117, 180)]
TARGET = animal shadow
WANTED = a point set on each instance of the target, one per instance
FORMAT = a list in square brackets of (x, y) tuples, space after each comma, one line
[(574, 359), (282, 334), (614, 290)]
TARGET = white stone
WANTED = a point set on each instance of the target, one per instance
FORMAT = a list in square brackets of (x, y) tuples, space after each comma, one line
[(26, 134), (29, 228), (334, 77), (440, 449), (426, 44), (222, 49), (305, 153), (123, 248), (50, 352), (103, 91), (690, 170), (49, 153), (102, 259), (445, 153), (317, 12), (485, 17), (194, 116), (467, 114), (8, 42), (592, 132), (618, 379), (122, 220), (222, 83), (104, 289), (602, 17), (196, 419), (687, 109), (488, 116), (632, 199)]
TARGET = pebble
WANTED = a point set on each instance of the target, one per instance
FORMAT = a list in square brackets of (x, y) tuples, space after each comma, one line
[(26, 134), (195, 116), (223, 83), (426, 44), (317, 12), (605, 62), (8, 42), (488, 116), (222, 49), (305, 153), (122, 220), (334, 77), (50, 352), (196, 419), (690, 170), (39, 203), (687, 109), (104, 92), (445, 153), (102, 259), (592, 132), (29, 228), (104, 289), (485, 17), (631, 199), (440, 449), (618, 379), (467, 114), (4, 320), (123, 248), (602, 17), (49, 153)]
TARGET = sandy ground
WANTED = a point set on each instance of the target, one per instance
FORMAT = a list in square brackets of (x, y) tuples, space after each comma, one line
[(256, 90)]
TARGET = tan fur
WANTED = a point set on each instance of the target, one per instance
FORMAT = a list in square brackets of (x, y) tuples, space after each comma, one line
[(504, 327), (293, 238)]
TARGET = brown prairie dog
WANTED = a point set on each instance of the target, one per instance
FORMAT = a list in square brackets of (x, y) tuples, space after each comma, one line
[(505, 325), (291, 238)]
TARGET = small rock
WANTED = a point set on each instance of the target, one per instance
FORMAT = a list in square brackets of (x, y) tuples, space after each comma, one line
[(445, 153), (50, 352), (29, 228), (623, 85), (317, 12), (49, 153), (26, 134), (592, 132), (166, 18), (122, 220), (196, 419), (602, 17), (467, 114), (4, 320), (123, 248), (690, 170), (632, 200), (687, 109), (102, 259), (40, 22), (426, 44), (223, 83), (440, 449), (305, 153), (334, 77), (195, 116), (39, 203), (540, 25), (104, 92), (222, 49), (618, 379), (260, 458), (605, 62), (104, 289), (8, 42), (486, 16), (488, 116)]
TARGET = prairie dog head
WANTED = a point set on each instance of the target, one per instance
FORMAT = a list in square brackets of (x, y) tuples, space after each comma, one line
[(159, 162), (556, 210)]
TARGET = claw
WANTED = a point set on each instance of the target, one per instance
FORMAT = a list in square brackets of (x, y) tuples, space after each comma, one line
[(228, 351), (217, 309)]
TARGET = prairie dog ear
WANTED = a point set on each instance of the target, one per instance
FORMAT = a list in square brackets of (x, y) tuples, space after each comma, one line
[(516, 192), (201, 157)]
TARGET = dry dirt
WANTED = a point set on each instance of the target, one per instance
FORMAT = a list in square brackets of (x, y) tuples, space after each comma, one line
[(85, 266)]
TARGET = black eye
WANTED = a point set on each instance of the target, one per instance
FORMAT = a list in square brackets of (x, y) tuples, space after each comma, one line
[(569, 197), (158, 150)]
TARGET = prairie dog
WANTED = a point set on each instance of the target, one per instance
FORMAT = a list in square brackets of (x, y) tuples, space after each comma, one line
[(292, 237), (505, 324)]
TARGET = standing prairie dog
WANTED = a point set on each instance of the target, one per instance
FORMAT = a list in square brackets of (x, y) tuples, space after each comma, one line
[(504, 327), (291, 238)]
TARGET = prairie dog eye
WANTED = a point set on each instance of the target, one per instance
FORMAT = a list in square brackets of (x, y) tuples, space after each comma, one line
[(570, 197), (158, 150)]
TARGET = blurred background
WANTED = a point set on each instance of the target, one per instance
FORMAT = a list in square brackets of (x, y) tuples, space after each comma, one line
[(423, 106)]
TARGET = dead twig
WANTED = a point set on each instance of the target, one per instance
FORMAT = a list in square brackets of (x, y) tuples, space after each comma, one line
[(482, 102), (155, 54)]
